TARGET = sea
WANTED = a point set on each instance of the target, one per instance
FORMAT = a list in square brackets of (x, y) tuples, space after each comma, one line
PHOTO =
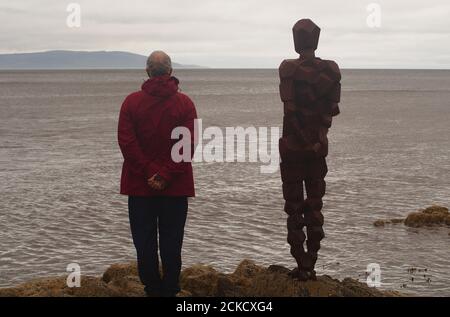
[(389, 155)]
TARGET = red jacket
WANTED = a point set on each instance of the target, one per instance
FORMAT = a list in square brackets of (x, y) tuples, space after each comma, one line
[(146, 121)]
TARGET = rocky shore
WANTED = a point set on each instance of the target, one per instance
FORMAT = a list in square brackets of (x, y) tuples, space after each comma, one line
[(248, 279)]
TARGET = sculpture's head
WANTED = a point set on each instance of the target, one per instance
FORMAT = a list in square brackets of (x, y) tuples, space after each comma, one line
[(306, 37)]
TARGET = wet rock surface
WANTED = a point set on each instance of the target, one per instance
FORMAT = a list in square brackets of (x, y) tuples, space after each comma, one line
[(431, 216), (248, 279)]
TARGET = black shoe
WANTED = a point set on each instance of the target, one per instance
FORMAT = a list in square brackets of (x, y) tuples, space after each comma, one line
[(152, 292), (169, 294)]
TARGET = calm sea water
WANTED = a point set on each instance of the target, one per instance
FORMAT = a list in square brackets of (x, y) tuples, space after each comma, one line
[(60, 168)]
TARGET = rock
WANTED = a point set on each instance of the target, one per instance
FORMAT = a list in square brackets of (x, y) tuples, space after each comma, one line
[(247, 269), (431, 216), (200, 280), (184, 293), (119, 270), (129, 286), (251, 280), (278, 268), (56, 287), (248, 280), (379, 223)]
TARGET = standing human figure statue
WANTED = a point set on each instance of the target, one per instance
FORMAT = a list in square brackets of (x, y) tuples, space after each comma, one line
[(310, 90)]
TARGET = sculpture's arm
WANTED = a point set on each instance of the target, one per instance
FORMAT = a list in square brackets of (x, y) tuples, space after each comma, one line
[(291, 123)]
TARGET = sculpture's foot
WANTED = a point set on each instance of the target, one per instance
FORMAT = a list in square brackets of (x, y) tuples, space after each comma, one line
[(312, 275), (303, 275), (307, 275), (293, 273)]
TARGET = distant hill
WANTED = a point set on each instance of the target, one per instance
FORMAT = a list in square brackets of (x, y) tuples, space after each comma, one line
[(77, 60)]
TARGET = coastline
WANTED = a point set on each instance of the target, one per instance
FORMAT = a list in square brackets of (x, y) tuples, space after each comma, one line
[(248, 280)]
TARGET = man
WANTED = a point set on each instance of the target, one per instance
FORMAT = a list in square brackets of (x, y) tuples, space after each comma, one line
[(157, 186)]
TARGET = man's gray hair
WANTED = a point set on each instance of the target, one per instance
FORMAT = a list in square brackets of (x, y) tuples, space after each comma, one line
[(158, 64)]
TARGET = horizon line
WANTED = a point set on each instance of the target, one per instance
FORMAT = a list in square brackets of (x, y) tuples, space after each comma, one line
[(185, 65), (203, 68)]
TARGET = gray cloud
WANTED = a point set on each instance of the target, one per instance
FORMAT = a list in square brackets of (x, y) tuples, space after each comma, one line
[(236, 33)]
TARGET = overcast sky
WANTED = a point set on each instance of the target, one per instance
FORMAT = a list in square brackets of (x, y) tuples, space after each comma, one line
[(236, 33)]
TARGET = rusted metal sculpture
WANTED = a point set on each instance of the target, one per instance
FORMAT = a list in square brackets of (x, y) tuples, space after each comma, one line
[(310, 90)]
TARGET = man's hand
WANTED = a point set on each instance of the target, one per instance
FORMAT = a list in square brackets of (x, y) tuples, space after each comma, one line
[(156, 182)]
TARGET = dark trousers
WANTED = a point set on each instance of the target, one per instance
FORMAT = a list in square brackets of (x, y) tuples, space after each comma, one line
[(148, 216)]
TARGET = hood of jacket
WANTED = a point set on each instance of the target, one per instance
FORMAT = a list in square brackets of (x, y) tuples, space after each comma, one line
[(161, 86)]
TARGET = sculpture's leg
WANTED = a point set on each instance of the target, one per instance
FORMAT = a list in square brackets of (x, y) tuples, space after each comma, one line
[(315, 190), (293, 195), (295, 224)]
